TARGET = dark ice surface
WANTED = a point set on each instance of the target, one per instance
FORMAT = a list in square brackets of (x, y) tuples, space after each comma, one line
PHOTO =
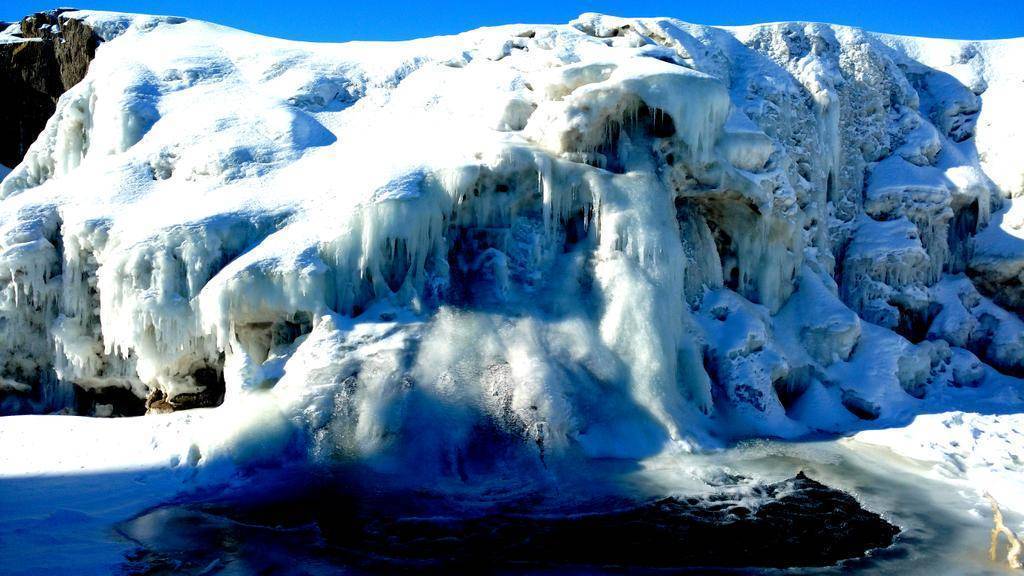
[(797, 522)]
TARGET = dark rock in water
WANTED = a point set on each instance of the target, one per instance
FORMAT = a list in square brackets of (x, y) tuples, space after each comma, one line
[(795, 523), (54, 56)]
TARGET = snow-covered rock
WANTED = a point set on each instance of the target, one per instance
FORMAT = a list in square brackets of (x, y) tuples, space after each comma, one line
[(603, 238)]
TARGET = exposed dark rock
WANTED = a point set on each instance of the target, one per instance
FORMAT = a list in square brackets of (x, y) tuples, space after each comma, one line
[(157, 403), (210, 394), (53, 57), (119, 402)]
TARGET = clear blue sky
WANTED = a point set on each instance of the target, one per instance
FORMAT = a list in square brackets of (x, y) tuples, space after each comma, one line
[(339, 20)]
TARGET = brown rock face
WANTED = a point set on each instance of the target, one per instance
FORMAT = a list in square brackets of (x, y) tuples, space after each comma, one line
[(53, 57), (211, 393)]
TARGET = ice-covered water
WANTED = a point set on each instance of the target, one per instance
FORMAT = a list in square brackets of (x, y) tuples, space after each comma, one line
[(305, 522)]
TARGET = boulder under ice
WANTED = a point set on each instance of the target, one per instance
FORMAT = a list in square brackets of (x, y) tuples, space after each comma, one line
[(603, 238)]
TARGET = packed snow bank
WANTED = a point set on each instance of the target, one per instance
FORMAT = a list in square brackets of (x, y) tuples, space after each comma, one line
[(518, 244), (981, 453)]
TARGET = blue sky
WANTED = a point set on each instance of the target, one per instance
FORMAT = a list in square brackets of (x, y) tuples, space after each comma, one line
[(339, 20)]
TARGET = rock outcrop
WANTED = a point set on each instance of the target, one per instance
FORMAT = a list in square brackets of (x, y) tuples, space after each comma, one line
[(40, 58)]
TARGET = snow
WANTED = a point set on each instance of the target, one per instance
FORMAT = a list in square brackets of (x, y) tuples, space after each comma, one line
[(996, 262), (12, 34), (520, 248), (979, 452)]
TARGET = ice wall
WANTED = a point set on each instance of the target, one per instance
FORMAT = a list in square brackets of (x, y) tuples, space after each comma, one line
[(604, 238)]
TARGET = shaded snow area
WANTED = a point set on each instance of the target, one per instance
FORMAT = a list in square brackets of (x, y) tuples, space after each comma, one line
[(486, 266)]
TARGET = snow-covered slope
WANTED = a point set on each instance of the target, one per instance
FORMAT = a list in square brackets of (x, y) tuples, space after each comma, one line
[(525, 243)]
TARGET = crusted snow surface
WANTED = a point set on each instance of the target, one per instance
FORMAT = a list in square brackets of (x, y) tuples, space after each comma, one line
[(979, 453), (517, 245)]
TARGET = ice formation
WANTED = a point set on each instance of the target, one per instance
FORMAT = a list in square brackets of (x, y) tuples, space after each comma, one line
[(603, 239)]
